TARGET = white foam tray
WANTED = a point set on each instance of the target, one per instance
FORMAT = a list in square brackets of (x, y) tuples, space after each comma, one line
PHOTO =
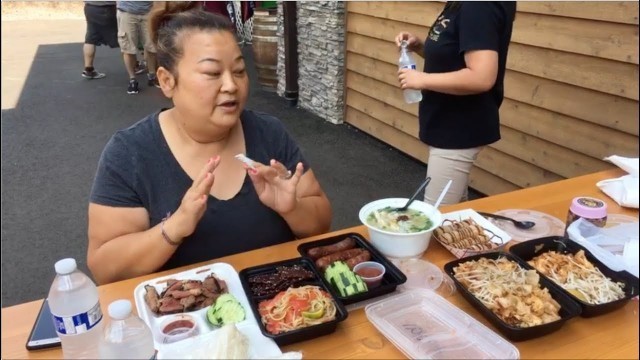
[(480, 220), (260, 345)]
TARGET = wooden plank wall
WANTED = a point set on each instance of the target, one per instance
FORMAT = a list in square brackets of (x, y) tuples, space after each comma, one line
[(571, 88)]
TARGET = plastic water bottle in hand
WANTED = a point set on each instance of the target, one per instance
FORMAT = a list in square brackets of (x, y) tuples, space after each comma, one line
[(126, 336), (407, 62), (76, 312)]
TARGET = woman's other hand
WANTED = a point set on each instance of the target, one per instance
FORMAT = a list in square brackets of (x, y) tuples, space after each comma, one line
[(194, 202), (411, 79), (413, 43), (275, 187)]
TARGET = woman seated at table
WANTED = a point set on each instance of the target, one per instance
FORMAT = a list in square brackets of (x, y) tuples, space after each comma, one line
[(168, 191)]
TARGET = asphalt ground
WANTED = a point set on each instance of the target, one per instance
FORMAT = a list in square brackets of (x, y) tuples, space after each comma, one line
[(55, 124)]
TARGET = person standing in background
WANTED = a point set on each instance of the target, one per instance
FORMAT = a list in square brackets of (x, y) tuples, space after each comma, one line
[(102, 28), (465, 56), (133, 29)]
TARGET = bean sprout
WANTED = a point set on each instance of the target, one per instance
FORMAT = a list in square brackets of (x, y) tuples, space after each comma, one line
[(578, 276), (511, 292)]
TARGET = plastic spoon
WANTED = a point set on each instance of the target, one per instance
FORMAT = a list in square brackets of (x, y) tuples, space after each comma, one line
[(442, 194), (415, 195)]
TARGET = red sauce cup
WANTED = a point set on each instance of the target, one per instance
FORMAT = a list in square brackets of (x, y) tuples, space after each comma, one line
[(178, 327), (371, 273)]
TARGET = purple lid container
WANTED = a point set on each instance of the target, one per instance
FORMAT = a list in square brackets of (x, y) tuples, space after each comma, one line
[(588, 207)]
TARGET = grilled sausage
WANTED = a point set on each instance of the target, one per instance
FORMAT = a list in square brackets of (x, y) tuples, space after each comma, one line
[(320, 251), (364, 256), (325, 261)]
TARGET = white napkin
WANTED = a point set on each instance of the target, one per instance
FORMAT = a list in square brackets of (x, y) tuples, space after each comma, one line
[(623, 190)]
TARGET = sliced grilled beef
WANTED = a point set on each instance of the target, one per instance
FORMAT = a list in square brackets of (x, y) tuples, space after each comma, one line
[(151, 298)]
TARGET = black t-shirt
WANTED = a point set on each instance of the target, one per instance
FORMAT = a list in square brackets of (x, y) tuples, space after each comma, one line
[(137, 169), (462, 122)]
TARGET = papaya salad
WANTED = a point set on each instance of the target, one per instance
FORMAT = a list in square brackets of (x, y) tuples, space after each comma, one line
[(296, 308)]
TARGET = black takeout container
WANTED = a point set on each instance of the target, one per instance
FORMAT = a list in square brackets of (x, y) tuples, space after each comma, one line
[(297, 335), (568, 308), (391, 279), (529, 249)]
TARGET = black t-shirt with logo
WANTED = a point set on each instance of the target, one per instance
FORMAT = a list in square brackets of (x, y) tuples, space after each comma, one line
[(455, 121)]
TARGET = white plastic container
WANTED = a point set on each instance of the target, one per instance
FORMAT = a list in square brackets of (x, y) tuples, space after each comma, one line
[(407, 62), (423, 325), (260, 346), (126, 336), (401, 245), (75, 307)]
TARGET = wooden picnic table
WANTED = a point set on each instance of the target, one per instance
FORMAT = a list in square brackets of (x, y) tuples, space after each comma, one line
[(610, 336)]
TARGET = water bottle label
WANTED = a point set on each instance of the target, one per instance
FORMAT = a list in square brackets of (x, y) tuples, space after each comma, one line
[(412, 67), (79, 323)]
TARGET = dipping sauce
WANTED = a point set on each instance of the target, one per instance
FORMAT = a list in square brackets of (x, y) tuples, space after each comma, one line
[(368, 272), (371, 273), (178, 327)]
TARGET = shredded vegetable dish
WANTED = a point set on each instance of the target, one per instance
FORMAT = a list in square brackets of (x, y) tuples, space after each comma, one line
[(408, 221), (511, 292), (578, 276), (297, 308)]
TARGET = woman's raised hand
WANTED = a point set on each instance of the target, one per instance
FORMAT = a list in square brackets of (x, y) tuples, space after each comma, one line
[(413, 43), (276, 186), (194, 202)]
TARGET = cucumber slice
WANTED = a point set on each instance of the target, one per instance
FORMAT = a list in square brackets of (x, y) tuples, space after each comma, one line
[(227, 309)]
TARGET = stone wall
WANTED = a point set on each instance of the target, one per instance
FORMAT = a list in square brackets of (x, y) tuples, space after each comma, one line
[(321, 30)]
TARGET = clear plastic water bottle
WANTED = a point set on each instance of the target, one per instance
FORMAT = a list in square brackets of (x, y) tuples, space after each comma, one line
[(75, 307), (407, 62), (126, 336)]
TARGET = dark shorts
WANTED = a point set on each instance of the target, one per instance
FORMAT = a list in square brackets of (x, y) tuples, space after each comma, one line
[(102, 25)]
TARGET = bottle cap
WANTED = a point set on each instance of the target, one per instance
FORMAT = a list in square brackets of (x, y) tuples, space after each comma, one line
[(404, 43), (588, 207), (120, 309), (66, 266)]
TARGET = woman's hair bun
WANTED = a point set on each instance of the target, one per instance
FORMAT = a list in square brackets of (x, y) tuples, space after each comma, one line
[(163, 12)]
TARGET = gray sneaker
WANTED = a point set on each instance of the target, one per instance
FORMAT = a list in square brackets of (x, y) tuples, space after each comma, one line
[(141, 67), (93, 74)]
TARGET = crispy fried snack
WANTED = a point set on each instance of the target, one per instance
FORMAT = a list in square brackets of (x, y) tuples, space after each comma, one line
[(465, 234)]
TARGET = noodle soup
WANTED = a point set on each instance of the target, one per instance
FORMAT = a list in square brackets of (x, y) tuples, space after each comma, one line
[(408, 221)]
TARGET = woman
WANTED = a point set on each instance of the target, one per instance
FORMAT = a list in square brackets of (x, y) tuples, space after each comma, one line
[(462, 88), (168, 191)]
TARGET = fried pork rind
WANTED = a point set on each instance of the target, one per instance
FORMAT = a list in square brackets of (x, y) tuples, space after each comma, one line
[(511, 292), (578, 276), (464, 234)]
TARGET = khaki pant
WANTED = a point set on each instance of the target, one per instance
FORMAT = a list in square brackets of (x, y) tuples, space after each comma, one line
[(445, 165), (133, 30)]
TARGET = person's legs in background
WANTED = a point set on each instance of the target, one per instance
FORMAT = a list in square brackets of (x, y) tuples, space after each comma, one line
[(141, 64), (91, 39), (89, 53), (445, 165), (149, 51), (128, 39)]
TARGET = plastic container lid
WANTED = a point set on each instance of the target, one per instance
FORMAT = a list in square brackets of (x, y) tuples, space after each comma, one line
[(588, 207), (420, 274), (66, 266), (120, 309), (424, 325)]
